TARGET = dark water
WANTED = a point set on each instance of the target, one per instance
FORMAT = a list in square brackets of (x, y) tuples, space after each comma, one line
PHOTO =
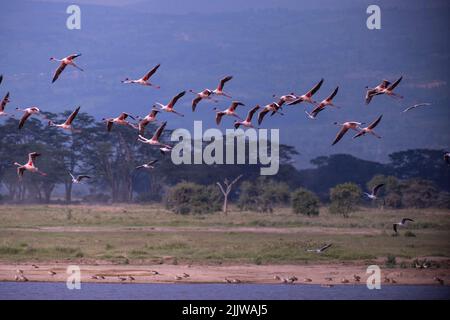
[(45, 290)]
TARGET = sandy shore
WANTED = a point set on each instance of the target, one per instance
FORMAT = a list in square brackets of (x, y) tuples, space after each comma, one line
[(311, 274)]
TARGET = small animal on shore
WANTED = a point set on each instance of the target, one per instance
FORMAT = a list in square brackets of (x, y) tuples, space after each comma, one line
[(441, 281)]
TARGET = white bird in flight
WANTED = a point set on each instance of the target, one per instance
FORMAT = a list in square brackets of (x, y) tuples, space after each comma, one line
[(321, 249), (402, 223), (373, 194), (417, 106), (78, 178)]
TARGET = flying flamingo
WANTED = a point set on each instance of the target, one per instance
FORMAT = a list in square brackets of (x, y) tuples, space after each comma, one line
[(3, 105), (389, 90), (1, 78), (248, 121), (119, 120), (345, 127), (371, 92), (144, 80), (285, 98), (272, 107), (321, 106), (307, 97), (145, 121), (155, 139), (29, 166), (148, 165), (230, 111), (27, 113), (169, 107), (65, 62), (369, 129), (219, 90), (205, 94), (67, 125)]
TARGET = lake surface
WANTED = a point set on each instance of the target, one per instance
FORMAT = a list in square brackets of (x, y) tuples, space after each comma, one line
[(113, 291)]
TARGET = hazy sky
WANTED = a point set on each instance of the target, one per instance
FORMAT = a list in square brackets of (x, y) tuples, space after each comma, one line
[(270, 47)]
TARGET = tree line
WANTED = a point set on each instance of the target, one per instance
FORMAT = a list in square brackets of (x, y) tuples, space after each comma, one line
[(111, 158)]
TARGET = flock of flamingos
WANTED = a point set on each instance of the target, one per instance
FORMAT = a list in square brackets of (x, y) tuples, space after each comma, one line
[(384, 88)]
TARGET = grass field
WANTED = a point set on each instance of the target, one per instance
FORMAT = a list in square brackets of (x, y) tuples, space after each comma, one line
[(134, 234)]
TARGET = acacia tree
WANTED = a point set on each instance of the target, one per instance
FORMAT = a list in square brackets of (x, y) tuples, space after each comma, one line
[(344, 197), (226, 189)]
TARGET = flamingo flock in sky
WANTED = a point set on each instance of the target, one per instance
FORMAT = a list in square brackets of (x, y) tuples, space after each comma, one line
[(276, 107)]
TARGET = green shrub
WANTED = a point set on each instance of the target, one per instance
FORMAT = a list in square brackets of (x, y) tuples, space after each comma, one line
[(391, 261), (187, 198), (305, 202), (344, 198), (263, 194)]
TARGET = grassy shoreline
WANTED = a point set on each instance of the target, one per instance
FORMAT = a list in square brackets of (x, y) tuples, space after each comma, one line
[(137, 234)]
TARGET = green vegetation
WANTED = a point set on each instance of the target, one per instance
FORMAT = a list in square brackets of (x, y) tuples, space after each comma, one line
[(188, 197), (344, 198), (263, 195), (305, 202), (126, 234)]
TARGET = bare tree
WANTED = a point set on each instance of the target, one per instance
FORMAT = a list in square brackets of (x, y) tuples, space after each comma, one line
[(226, 189)]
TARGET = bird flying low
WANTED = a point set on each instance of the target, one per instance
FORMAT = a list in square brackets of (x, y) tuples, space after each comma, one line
[(148, 165), (78, 178), (402, 223), (374, 192), (29, 166), (321, 249)]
